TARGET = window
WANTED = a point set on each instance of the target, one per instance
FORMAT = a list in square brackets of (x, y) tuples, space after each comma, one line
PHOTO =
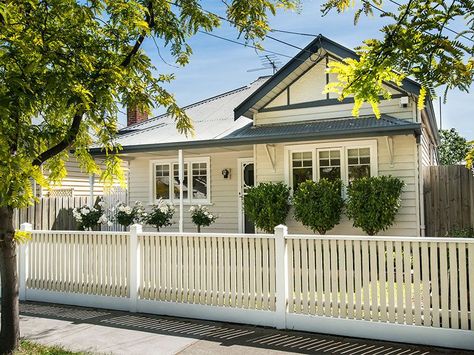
[(176, 185), (358, 163), (332, 160), (196, 183), (329, 164), (302, 168), (199, 181), (162, 181)]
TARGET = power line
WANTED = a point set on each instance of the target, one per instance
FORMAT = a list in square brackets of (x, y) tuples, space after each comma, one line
[(267, 36), (245, 44), (447, 28)]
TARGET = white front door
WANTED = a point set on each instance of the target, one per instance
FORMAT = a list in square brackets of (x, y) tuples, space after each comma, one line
[(246, 180)]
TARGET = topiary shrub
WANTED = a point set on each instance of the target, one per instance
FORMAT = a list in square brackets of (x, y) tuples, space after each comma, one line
[(373, 202), (318, 205), (267, 205)]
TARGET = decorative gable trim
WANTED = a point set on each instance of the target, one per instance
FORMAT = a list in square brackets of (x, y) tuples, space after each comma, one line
[(319, 42)]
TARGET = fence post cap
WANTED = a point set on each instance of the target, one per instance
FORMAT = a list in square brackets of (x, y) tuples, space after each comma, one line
[(136, 227), (281, 227), (28, 227)]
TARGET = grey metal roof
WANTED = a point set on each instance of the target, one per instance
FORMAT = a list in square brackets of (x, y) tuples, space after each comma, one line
[(340, 126), (367, 126), (212, 118)]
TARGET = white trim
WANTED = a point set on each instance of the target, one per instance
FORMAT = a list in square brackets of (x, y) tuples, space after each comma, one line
[(188, 201), (240, 216), (342, 146)]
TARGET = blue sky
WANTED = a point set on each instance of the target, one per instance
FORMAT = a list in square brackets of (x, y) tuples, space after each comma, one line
[(217, 66)]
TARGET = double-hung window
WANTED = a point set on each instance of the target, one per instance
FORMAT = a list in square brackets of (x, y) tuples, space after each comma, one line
[(196, 181), (301, 168), (347, 161)]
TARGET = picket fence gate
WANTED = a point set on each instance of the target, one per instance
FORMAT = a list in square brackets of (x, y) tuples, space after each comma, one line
[(414, 290)]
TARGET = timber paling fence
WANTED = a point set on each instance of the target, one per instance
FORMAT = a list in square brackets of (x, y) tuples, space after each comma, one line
[(449, 199), (55, 213), (416, 290)]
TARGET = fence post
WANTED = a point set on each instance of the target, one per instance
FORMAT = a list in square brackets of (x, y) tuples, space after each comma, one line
[(23, 263), (134, 277), (281, 273)]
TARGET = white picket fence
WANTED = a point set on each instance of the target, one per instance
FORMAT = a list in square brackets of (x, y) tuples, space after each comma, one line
[(417, 290)]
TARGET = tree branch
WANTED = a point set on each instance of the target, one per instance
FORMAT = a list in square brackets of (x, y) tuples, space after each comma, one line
[(76, 122), (150, 19), (65, 143)]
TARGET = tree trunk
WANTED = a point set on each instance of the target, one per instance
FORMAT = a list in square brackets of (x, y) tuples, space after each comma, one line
[(10, 323)]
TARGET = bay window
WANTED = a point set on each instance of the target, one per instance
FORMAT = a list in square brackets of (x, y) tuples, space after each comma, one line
[(196, 181)]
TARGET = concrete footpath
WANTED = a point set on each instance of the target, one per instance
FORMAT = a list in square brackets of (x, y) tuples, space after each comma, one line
[(111, 332)]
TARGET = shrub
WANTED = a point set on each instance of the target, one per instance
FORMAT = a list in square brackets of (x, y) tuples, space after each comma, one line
[(201, 217), (267, 205), (318, 205), (126, 215), (160, 215), (90, 217), (373, 202), (461, 232)]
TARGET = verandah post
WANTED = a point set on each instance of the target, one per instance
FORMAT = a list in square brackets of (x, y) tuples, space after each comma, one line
[(134, 277), (23, 263), (281, 274)]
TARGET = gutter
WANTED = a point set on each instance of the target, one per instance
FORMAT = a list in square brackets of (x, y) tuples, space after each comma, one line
[(413, 128)]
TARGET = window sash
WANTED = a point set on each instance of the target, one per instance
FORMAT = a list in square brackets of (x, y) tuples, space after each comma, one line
[(188, 181), (342, 147)]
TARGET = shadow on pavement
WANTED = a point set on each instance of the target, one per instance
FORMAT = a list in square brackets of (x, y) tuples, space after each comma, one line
[(226, 334)]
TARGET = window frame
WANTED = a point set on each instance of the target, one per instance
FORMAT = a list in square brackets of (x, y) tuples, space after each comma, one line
[(342, 145), (171, 162)]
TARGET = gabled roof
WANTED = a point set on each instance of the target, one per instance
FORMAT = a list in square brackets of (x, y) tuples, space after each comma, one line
[(306, 58)]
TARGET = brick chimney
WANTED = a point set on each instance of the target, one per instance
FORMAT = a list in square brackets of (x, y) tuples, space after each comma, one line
[(134, 115)]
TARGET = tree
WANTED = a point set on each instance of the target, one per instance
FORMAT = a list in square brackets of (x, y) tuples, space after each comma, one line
[(66, 67), (453, 148), (418, 42)]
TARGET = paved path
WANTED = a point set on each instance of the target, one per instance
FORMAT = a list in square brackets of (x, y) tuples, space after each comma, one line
[(112, 332)]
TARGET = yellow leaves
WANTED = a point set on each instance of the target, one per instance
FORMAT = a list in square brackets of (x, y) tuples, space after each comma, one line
[(470, 156), (422, 98), (22, 236), (113, 172), (363, 81), (83, 94)]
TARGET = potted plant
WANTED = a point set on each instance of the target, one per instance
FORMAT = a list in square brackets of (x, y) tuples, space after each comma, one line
[(161, 215), (201, 216)]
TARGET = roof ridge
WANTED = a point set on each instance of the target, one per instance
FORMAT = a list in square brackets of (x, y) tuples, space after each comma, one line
[(194, 104)]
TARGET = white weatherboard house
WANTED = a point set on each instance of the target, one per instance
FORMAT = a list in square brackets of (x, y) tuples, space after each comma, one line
[(281, 128)]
